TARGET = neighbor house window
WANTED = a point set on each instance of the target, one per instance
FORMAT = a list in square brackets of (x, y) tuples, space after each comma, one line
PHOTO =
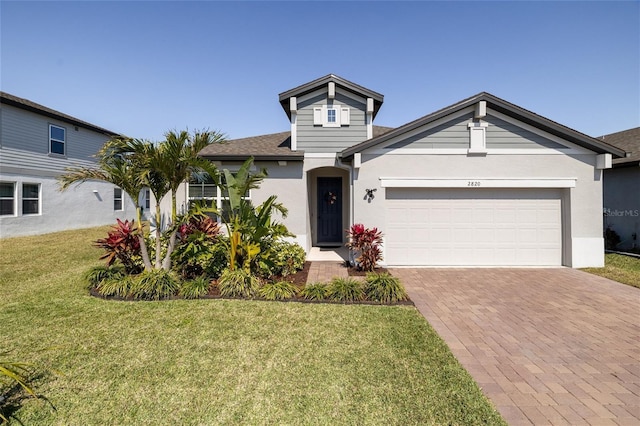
[(57, 139), (30, 198), (147, 199), (7, 198), (209, 195), (117, 199)]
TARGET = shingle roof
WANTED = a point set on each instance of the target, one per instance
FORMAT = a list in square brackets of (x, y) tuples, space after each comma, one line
[(28, 105), (628, 140), (503, 107), (275, 146)]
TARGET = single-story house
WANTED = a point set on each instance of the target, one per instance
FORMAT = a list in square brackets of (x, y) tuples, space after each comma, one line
[(482, 182), (622, 190)]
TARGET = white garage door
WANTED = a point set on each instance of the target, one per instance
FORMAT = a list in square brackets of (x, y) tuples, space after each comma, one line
[(457, 227)]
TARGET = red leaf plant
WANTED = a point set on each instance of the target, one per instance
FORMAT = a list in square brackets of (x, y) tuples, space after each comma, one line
[(366, 243), (122, 244)]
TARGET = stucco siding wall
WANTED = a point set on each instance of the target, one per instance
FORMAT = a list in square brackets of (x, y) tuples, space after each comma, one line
[(622, 204), (78, 207), (30, 132), (583, 203), (314, 138)]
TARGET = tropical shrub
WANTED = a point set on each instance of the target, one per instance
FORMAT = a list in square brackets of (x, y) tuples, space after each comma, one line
[(195, 288), (314, 291), (97, 274), (277, 290), (154, 285), (198, 247), (238, 283), (119, 287), (122, 244), (365, 243), (13, 373), (384, 288), (281, 258), (345, 290)]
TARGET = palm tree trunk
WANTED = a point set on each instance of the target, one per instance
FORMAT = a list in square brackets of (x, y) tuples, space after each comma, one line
[(174, 208), (166, 265), (158, 264), (144, 252)]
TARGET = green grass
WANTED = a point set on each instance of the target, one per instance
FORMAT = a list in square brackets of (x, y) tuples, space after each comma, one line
[(624, 269), (218, 361)]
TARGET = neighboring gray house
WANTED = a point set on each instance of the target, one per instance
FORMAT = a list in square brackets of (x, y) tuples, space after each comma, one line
[(36, 145), (480, 182), (622, 189)]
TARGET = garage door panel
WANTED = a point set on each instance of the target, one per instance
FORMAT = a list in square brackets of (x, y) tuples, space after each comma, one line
[(496, 227)]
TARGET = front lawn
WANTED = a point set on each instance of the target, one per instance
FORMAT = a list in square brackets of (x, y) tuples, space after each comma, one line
[(217, 361), (617, 267)]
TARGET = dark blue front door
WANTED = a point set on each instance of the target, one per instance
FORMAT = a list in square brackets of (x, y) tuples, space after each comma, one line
[(330, 210)]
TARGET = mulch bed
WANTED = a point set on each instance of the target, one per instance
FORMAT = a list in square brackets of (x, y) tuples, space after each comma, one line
[(354, 272)]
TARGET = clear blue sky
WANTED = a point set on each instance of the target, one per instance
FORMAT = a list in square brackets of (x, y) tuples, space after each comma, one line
[(141, 68)]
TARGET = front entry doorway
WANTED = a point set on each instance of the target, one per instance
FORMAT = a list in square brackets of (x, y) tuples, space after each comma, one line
[(329, 211)]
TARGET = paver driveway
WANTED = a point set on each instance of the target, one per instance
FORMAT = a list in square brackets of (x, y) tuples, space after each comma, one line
[(547, 346)]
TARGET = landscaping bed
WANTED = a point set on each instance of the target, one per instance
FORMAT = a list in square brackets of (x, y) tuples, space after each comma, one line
[(217, 361)]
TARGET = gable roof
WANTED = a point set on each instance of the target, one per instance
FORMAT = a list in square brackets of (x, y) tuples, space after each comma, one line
[(271, 147), (28, 105), (629, 140), (350, 86), (503, 107)]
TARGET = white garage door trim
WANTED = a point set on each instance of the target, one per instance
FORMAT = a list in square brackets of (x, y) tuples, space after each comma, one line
[(473, 227), (419, 182)]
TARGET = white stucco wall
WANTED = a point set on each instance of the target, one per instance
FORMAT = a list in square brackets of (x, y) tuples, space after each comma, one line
[(583, 244), (77, 207)]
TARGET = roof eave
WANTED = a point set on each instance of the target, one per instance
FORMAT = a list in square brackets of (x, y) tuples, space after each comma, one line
[(240, 157), (504, 107), (65, 118)]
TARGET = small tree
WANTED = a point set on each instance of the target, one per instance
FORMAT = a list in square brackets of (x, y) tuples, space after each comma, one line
[(365, 243)]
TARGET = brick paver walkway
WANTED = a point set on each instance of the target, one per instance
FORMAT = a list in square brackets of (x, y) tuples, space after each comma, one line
[(325, 271), (547, 346)]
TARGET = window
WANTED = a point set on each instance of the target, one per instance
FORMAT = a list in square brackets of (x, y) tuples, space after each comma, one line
[(331, 116), (147, 199), (57, 138), (7, 198), (117, 199), (209, 195), (30, 198)]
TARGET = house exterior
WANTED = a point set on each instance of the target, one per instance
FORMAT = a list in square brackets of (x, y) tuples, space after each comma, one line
[(622, 190), (482, 182), (36, 145)]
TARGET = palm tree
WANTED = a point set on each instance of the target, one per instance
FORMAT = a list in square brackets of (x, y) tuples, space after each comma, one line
[(180, 150)]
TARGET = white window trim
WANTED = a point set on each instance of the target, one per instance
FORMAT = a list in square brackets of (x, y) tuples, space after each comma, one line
[(13, 199), (321, 116), (23, 198), (218, 198), (63, 142)]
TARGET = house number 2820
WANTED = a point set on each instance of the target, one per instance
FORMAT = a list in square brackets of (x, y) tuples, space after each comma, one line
[(473, 183)]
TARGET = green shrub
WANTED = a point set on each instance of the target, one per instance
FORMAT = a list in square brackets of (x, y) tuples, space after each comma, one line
[(155, 284), (199, 249), (97, 274), (314, 291), (385, 288), (281, 258), (278, 290), (345, 290), (120, 287), (195, 288), (219, 260), (238, 283), (122, 244)]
